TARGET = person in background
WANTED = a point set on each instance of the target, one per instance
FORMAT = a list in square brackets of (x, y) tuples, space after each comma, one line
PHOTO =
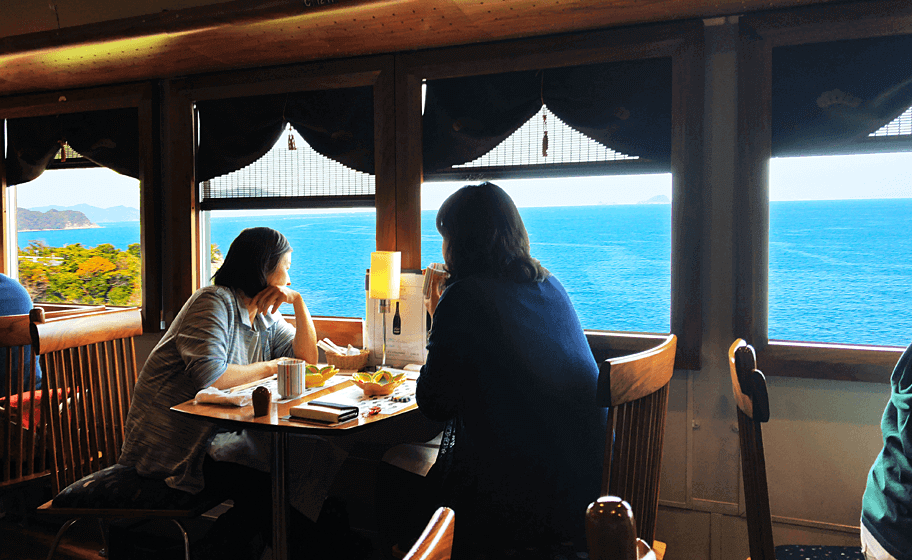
[(510, 372), (886, 508), (15, 300), (225, 335)]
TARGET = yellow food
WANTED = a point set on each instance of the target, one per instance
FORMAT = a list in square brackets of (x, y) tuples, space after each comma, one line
[(313, 380), (311, 368)]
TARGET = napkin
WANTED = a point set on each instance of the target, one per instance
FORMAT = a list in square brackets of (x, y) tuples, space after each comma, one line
[(211, 395), (324, 412)]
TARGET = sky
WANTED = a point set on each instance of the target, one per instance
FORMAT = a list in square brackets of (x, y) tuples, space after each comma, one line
[(811, 178)]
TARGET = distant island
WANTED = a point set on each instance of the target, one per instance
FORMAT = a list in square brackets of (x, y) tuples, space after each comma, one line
[(96, 214), (29, 220), (657, 199)]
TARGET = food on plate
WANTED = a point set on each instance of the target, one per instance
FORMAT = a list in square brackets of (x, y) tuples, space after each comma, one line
[(311, 368)]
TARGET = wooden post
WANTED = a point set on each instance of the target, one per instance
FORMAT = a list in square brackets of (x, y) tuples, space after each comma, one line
[(5, 212), (180, 262)]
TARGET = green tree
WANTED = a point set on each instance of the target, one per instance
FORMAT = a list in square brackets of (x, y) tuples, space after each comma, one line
[(77, 274)]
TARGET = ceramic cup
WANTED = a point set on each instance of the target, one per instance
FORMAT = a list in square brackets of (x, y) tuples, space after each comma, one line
[(291, 378)]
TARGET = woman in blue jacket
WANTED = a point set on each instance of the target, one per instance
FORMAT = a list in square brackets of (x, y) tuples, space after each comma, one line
[(510, 372)]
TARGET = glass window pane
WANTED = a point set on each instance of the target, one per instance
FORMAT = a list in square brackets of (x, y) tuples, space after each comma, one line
[(840, 250), (331, 252), (79, 237), (607, 239)]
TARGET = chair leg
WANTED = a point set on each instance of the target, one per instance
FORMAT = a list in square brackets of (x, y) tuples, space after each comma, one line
[(186, 539), (59, 536), (104, 539)]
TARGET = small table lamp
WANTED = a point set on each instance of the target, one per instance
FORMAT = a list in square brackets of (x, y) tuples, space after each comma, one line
[(384, 284)]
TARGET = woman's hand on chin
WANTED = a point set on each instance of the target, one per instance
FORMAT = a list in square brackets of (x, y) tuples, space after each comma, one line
[(272, 297)]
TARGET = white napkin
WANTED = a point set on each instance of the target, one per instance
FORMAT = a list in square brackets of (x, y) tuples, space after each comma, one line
[(211, 395)]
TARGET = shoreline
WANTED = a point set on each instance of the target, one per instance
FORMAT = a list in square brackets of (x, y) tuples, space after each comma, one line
[(93, 226)]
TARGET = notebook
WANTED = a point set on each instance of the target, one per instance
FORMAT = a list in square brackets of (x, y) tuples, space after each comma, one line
[(322, 411)]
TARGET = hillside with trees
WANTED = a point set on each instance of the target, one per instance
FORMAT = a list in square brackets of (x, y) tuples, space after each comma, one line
[(76, 274), (29, 220)]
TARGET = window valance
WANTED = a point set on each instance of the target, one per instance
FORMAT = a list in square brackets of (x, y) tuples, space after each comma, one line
[(234, 133), (828, 97), (108, 138), (625, 106)]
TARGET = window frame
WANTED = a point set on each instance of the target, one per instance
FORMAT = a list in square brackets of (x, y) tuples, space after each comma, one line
[(181, 191), (143, 97), (759, 34), (683, 43)]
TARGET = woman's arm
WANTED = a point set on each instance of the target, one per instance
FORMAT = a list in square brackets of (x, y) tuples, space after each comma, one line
[(439, 392), (305, 339), (236, 374)]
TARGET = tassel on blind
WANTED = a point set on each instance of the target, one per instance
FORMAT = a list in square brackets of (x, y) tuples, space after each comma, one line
[(63, 145), (545, 136), (291, 142)]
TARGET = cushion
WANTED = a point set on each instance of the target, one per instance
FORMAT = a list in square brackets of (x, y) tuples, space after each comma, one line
[(816, 552), (120, 487)]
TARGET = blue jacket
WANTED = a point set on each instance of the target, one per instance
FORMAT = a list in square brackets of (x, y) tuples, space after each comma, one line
[(509, 364), (15, 300), (886, 508)]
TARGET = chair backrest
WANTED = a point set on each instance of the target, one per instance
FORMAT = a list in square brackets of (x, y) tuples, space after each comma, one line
[(23, 436), (611, 532), (636, 389), (436, 542), (749, 388), (89, 363)]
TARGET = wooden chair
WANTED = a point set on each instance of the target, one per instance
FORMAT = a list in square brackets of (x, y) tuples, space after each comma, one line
[(636, 389), (23, 436), (90, 372), (436, 542), (611, 532), (23, 416), (752, 400)]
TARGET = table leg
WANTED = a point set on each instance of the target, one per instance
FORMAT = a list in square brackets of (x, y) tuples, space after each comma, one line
[(279, 502)]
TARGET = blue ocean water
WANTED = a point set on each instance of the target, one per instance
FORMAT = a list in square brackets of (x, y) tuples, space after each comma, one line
[(840, 271)]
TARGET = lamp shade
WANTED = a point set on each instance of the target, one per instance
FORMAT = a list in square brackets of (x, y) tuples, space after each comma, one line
[(384, 275)]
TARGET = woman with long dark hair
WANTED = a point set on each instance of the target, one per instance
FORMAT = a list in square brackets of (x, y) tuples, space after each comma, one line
[(510, 372), (225, 335)]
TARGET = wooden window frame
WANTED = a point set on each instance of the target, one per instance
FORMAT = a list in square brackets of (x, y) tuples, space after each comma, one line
[(181, 195), (759, 34), (683, 43), (144, 98)]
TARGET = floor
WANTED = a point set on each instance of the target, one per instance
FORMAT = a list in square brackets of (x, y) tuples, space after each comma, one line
[(29, 537)]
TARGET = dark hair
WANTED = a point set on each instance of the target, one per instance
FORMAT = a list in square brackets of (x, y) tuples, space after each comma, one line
[(484, 234), (253, 255)]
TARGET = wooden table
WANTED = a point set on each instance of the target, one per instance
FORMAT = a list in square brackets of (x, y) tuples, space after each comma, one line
[(405, 425)]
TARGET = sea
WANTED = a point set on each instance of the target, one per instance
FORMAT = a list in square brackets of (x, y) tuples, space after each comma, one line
[(840, 271)]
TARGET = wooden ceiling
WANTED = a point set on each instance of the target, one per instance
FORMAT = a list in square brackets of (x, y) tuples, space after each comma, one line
[(206, 37)]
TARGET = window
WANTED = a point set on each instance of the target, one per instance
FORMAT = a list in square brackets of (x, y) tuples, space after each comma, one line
[(840, 250), (585, 158), (607, 239), (840, 195), (323, 206), (79, 237)]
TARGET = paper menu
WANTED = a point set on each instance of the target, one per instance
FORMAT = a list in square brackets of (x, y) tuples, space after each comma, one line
[(410, 346)]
